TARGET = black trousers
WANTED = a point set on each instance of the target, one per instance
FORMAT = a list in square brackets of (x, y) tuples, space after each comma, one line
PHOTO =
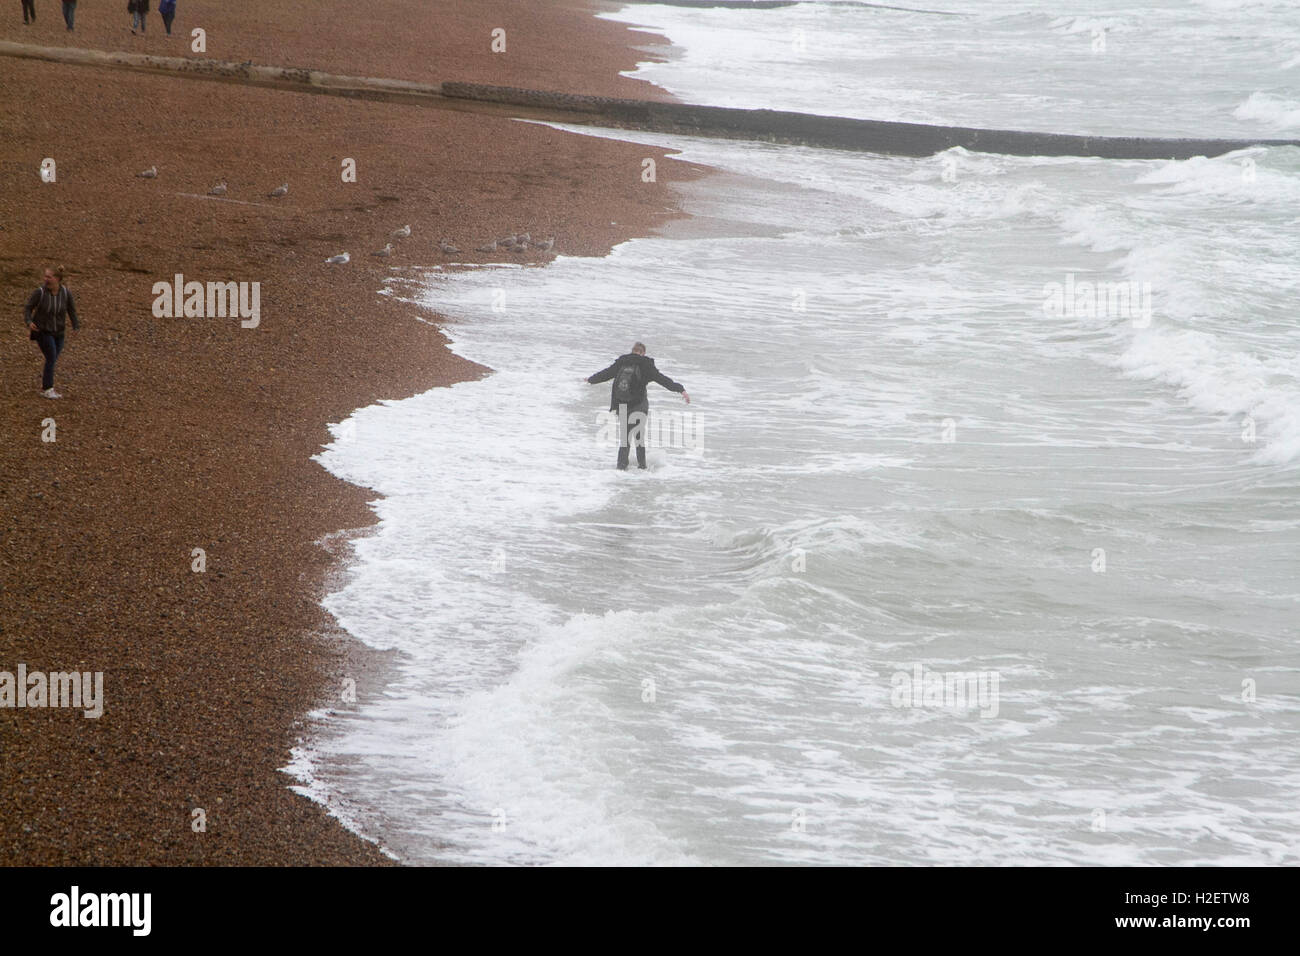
[(631, 429), (51, 346), (29, 10)]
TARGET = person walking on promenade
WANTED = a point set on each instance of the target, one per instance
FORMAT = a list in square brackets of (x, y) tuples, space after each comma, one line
[(69, 12), (167, 10), (632, 373), (45, 315), (29, 11)]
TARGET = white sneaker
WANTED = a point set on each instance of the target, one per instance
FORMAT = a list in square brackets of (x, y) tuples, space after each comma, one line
[(51, 393)]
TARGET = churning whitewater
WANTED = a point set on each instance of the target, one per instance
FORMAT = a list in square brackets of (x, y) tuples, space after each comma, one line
[(977, 543)]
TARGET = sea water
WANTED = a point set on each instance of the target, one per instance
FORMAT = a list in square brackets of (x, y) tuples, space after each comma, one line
[(978, 541)]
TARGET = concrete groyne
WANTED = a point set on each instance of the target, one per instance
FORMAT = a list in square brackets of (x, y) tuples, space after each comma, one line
[(779, 126), (877, 136)]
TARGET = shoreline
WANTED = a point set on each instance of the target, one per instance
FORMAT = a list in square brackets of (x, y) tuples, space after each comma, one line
[(184, 433)]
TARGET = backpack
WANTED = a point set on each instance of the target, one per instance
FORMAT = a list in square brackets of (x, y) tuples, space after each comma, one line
[(625, 383)]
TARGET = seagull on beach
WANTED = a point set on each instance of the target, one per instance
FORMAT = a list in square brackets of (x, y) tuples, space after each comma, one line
[(340, 260), (545, 245), (490, 247), (218, 190), (150, 173), (403, 233), (523, 238), (385, 252), (278, 191), (446, 247)]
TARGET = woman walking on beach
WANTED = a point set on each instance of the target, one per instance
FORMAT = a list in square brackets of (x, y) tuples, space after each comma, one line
[(69, 12), (29, 11), (167, 10), (45, 314)]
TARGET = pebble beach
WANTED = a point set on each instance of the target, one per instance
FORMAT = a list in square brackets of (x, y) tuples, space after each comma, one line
[(176, 434)]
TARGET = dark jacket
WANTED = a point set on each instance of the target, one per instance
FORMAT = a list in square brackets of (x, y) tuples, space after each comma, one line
[(49, 311), (648, 374)]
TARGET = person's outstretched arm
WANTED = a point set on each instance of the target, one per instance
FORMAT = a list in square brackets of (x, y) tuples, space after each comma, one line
[(666, 382), (604, 375)]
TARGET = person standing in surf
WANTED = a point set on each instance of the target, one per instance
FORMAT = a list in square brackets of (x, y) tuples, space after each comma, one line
[(631, 374), (45, 314)]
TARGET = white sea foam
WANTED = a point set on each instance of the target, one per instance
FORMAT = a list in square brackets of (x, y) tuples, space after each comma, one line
[(1022, 63), (1209, 342), (906, 462), (1272, 112)]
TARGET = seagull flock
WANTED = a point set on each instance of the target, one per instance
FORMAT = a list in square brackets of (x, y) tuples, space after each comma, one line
[(519, 243)]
